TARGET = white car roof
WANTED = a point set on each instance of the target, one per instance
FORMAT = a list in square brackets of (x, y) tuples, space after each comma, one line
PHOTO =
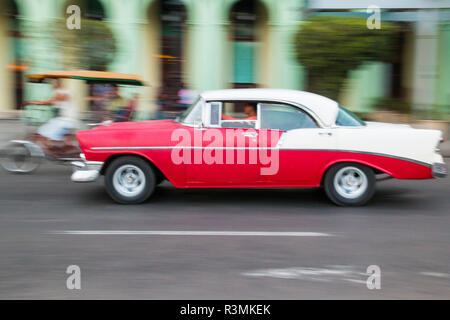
[(325, 109)]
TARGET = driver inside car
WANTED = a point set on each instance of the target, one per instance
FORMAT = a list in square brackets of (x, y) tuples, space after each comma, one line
[(249, 110)]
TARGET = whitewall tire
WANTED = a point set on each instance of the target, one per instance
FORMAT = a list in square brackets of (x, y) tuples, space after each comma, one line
[(349, 184), (130, 180)]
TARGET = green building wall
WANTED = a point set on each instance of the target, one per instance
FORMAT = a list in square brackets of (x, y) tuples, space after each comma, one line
[(208, 50), (443, 79)]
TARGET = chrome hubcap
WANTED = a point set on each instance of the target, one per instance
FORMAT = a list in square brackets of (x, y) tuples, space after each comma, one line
[(350, 182), (129, 180)]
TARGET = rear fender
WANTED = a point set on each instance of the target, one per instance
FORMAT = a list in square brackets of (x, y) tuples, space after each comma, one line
[(394, 167)]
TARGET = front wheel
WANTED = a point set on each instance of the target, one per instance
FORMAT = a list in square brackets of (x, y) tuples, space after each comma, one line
[(349, 184), (17, 158), (130, 180)]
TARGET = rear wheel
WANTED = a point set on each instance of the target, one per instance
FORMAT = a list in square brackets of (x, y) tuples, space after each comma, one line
[(130, 180), (349, 184)]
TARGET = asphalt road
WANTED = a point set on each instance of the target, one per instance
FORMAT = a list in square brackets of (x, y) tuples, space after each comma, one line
[(404, 231)]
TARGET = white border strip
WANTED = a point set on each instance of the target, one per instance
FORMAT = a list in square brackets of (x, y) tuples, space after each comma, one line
[(193, 233)]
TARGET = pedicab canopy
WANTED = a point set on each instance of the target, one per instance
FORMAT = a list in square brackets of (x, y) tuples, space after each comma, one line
[(90, 77)]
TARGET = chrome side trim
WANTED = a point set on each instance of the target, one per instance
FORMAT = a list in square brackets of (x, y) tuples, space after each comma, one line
[(184, 147), (425, 164), (265, 148)]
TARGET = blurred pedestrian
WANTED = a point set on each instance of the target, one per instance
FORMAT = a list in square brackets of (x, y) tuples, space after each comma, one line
[(116, 103), (126, 113), (162, 102), (99, 99), (186, 97)]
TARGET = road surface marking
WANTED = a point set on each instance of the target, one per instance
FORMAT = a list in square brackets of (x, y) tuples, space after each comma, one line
[(328, 274), (436, 274), (193, 233)]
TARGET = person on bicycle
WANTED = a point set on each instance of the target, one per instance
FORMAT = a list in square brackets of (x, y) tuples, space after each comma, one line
[(57, 131)]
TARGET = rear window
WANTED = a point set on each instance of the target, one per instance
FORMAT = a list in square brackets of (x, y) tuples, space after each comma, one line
[(346, 118)]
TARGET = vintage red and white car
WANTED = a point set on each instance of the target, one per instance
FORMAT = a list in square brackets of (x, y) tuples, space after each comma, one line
[(287, 138)]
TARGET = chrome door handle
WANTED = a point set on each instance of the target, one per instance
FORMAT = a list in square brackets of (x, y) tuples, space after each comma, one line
[(250, 134)]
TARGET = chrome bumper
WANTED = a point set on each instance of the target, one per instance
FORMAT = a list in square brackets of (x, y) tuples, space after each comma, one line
[(86, 171), (439, 170)]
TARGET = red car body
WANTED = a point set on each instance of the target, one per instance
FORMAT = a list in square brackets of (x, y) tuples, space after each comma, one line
[(298, 139), (151, 139)]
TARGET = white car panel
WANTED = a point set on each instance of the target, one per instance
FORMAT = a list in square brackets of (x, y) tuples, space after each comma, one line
[(402, 141), (393, 140), (324, 109)]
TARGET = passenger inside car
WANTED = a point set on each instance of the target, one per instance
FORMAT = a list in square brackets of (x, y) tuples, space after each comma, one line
[(249, 110)]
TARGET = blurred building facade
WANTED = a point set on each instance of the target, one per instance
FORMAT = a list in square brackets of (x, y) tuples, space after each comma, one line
[(420, 74), (214, 44)]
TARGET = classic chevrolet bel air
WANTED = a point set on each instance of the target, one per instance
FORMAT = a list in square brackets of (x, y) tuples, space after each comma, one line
[(243, 138)]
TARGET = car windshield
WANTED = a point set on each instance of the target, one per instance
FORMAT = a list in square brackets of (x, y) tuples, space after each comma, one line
[(346, 118), (193, 114)]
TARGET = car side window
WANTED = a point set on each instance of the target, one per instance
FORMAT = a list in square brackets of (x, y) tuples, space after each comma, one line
[(239, 114), (284, 117)]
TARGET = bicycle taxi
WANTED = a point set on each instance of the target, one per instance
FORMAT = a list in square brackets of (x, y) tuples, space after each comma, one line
[(25, 154)]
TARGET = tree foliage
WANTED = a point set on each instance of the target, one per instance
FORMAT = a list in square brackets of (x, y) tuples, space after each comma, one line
[(329, 47), (92, 47)]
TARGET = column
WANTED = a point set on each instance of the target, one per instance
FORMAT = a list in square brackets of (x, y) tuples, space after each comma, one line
[(425, 61), (284, 18), (207, 46)]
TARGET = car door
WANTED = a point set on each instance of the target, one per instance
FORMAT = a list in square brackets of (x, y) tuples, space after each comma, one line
[(303, 149), (223, 152)]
